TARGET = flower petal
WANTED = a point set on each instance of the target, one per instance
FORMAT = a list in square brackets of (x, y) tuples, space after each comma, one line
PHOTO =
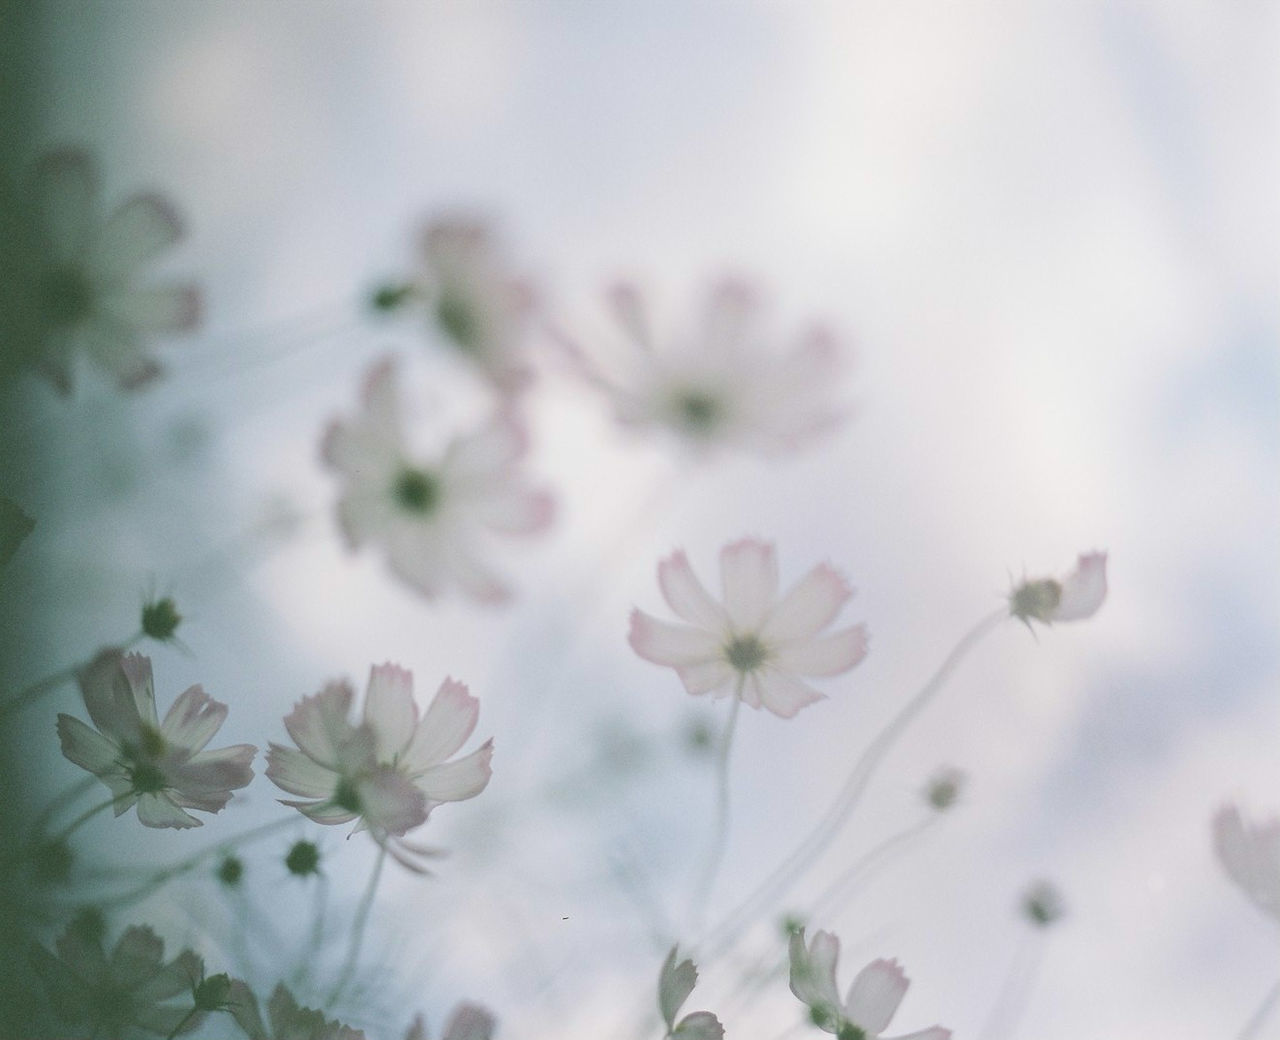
[(193, 720), (677, 646), (150, 309), (65, 189), (88, 748), (875, 995), (138, 955), (157, 810), (1084, 589), (137, 670), (299, 774), (322, 812), (118, 350), (932, 1033), (1250, 856), (824, 655), (458, 780), (514, 509), (206, 780), (389, 709), (108, 696), (140, 229), (319, 724), (449, 721), (813, 970), (390, 803), (809, 607), (749, 573), (687, 596), (707, 677), (781, 692), (469, 1022)]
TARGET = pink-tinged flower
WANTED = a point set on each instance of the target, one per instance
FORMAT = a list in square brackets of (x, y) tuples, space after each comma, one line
[(1250, 854), (755, 644), (1073, 597), (468, 1022), (718, 384), (389, 770), (288, 1021), (161, 767), (871, 1002), (81, 292), (431, 516)]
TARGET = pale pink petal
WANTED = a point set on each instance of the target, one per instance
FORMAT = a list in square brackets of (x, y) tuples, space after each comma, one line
[(469, 1022), (150, 309), (733, 305), (687, 596), (824, 655), (932, 1033), (809, 607), (294, 772), (1250, 856), (449, 721), (749, 573), (707, 677), (390, 802), (137, 672), (206, 780), (139, 230), (875, 995), (629, 308), (86, 747), (665, 643), (813, 970), (515, 509), (319, 724), (65, 193), (472, 578), (321, 812), (389, 709), (780, 692), (1084, 589), (491, 449), (417, 557), (458, 780), (156, 810), (193, 720)]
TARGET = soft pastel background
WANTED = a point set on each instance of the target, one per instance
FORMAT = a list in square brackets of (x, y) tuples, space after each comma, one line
[(1049, 231)]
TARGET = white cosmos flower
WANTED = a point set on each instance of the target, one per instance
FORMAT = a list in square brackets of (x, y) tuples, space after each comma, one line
[(1250, 854), (389, 770), (161, 767), (431, 516), (871, 1002), (1073, 597), (288, 1020), (755, 644), (80, 291), (719, 384)]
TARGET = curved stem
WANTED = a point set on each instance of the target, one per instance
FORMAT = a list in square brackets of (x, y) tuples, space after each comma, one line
[(1012, 998), (1263, 1012), (183, 1024), (721, 834), (358, 927), (790, 870)]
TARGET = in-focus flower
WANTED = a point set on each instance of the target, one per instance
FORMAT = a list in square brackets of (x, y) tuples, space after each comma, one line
[(718, 384), (161, 767), (755, 644), (288, 1021), (1250, 854), (79, 286), (126, 994), (871, 1002), (468, 1022), (431, 516), (388, 771), (1075, 596)]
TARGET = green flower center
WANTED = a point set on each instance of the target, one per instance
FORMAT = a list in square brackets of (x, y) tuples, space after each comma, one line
[(1035, 599), (745, 653), (147, 778), (346, 796), (848, 1031), (417, 491), (65, 297), (698, 411), (459, 321)]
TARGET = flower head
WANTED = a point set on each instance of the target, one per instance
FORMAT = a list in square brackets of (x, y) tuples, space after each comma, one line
[(389, 770), (1250, 854), (1075, 596), (718, 385), (79, 285), (161, 767), (755, 644), (288, 1021), (871, 1002), (430, 515)]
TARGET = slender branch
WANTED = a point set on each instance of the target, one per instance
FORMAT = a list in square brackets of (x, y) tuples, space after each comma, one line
[(721, 833), (358, 927)]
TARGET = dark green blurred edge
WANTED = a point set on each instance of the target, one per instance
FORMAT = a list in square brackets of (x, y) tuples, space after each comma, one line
[(24, 620)]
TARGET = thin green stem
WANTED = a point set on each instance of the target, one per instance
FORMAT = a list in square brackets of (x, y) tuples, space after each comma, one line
[(1260, 1016), (88, 815), (721, 832), (358, 927), (791, 869), (183, 1024)]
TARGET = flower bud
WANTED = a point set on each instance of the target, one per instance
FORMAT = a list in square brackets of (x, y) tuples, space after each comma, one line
[(160, 619), (231, 871), (303, 859), (1042, 904), (944, 788)]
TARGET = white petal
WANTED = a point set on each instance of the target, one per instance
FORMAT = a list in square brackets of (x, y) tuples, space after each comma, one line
[(137, 671), (932, 1033), (875, 995), (322, 812), (809, 607), (687, 596), (389, 709), (65, 189), (515, 509), (781, 692), (390, 802), (294, 772), (193, 720), (813, 970), (166, 308), (469, 1022), (472, 578), (458, 780), (88, 748), (206, 780), (749, 573), (675, 982), (664, 643), (707, 677), (319, 725), (824, 655), (449, 721), (155, 810), (1250, 856), (1084, 589), (139, 230), (491, 449)]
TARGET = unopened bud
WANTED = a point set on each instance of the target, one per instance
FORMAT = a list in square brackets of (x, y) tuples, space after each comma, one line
[(1042, 904), (160, 619), (303, 859)]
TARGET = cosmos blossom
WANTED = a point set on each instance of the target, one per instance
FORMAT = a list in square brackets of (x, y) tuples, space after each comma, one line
[(754, 643), (161, 767), (871, 1002), (1250, 854), (431, 516), (719, 384), (82, 292), (1075, 596), (387, 771)]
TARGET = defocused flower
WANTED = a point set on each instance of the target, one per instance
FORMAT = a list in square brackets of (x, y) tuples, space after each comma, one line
[(389, 771), (1075, 596), (944, 788), (719, 386), (162, 767), (468, 1022), (430, 515), (1042, 904), (756, 644), (80, 291), (1250, 854), (288, 1020), (872, 1000), (126, 994)]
